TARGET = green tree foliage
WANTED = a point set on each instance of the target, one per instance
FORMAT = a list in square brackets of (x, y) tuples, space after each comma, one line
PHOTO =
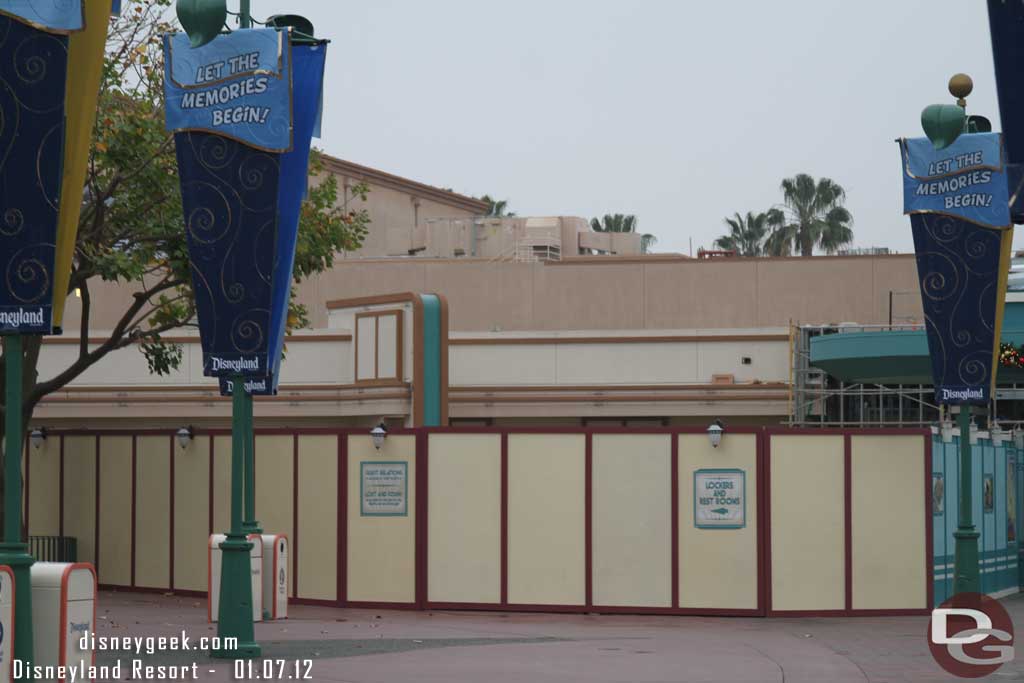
[(623, 223), (746, 235), (131, 230), (812, 215), (497, 208)]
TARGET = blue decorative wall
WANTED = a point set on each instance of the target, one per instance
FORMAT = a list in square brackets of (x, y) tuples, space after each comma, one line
[(999, 526)]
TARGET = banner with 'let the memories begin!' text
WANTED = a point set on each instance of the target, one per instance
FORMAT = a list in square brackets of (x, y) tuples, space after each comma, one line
[(238, 86), (958, 202), (246, 107)]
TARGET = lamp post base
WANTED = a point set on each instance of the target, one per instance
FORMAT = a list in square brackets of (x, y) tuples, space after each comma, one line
[(965, 578), (15, 556), (235, 612)]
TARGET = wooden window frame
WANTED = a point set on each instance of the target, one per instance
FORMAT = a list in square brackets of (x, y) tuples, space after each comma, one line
[(377, 381)]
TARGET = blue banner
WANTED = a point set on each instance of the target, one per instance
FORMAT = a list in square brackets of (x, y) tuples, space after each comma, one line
[(229, 196), (958, 201), (238, 86), (31, 168), (966, 179), (242, 207), (52, 16), (308, 63), (962, 268)]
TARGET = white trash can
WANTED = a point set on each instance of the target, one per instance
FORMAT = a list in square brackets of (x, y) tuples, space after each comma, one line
[(6, 624), (213, 555), (275, 576), (63, 610)]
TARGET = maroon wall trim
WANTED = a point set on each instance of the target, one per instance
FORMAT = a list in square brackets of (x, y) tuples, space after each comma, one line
[(96, 515), (766, 496), (295, 515), (422, 493), (504, 520), (674, 485), (134, 476), (170, 537), (588, 521), (27, 490), (762, 524), (929, 541), (210, 502), (848, 521), (342, 549), (60, 490)]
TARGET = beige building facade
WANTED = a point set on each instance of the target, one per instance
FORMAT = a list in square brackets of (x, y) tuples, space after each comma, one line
[(547, 322)]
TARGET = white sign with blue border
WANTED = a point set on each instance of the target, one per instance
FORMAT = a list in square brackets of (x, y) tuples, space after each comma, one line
[(383, 489), (719, 499)]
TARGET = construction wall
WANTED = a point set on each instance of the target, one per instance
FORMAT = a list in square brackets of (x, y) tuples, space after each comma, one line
[(624, 519)]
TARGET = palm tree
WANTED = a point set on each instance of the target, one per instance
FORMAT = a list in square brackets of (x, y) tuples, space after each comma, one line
[(497, 208), (746, 235), (812, 215), (623, 223)]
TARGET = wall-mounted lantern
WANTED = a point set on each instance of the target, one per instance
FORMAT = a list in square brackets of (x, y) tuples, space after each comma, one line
[(715, 431)]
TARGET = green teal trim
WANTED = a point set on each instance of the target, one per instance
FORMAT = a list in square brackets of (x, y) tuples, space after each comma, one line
[(743, 476), (895, 356), (888, 357), (405, 483), (431, 360)]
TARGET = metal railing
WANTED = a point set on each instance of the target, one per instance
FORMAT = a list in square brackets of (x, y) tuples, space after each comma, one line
[(53, 548), (819, 400)]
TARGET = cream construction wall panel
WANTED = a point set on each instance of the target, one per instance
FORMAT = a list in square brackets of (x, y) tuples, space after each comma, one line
[(464, 518), (152, 511), (808, 522), (43, 480), (717, 567), (381, 554), (191, 513), (632, 520), (115, 510), (318, 518), (80, 494), (221, 484), (888, 510), (546, 513), (275, 490)]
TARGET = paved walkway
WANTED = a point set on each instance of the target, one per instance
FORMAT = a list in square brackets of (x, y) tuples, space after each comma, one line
[(361, 646)]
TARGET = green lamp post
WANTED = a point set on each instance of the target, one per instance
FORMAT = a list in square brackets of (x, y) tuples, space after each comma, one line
[(13, 550), (249, 349), (943, 124), (202, 21), (966, 573)]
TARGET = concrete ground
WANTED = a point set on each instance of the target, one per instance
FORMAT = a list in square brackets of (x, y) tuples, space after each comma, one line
[(375, 646)]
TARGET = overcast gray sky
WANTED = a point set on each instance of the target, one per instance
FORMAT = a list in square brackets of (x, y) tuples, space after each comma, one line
[(678, 111)]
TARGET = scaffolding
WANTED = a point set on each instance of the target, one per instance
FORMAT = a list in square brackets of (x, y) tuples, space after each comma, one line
[(820, 400)]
